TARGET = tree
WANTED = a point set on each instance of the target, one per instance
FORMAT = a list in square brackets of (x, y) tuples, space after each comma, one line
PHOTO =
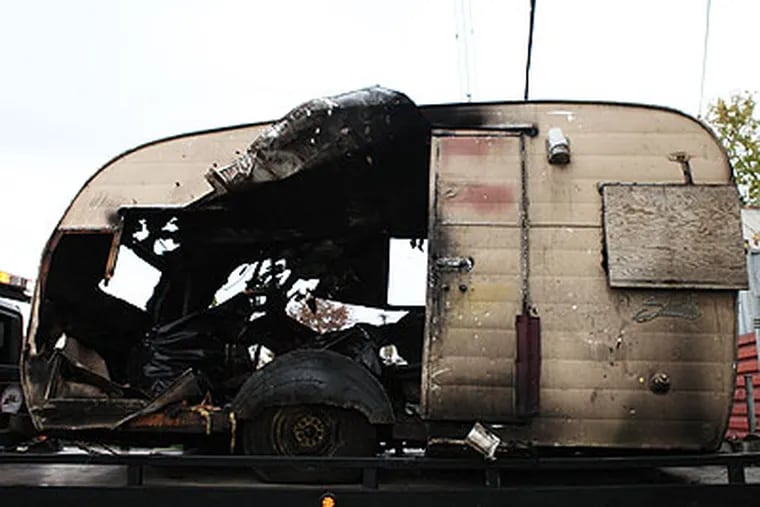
[(738, 129)]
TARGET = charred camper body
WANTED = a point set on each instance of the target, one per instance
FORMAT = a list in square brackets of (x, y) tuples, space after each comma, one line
[(583, 262)]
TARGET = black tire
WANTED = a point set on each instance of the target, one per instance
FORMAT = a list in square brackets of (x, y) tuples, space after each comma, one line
[(309, 430)]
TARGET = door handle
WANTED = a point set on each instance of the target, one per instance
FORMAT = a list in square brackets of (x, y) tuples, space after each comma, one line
[(454, 263)]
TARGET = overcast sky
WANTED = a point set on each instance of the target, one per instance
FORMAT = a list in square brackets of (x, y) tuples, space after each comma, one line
[(83, 81)]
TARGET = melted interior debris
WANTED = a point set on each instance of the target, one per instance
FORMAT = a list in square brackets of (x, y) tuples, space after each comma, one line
[(316, 197)]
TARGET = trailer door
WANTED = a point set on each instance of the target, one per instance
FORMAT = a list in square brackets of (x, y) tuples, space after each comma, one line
[(474, 290)]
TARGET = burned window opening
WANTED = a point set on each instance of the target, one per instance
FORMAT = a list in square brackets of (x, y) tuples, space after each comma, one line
[(407, 272), (133, 279), (236, 282), (260, 355)]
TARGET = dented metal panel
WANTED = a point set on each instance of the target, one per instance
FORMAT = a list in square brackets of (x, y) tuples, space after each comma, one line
[(692, 233), (353, 125)]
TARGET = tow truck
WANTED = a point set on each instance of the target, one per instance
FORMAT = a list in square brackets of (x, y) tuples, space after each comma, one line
[(14, 421)]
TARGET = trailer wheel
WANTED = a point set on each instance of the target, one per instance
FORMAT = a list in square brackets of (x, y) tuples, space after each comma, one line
[(309, 430)]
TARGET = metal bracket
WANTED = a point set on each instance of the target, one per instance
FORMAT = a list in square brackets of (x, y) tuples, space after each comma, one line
[(455, 263), (683, 158), (516, 129)]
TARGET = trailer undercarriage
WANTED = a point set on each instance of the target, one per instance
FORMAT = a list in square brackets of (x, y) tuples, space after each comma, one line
[(116, 480)]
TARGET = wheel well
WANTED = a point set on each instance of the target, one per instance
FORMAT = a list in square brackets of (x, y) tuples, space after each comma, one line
[(314, 377)]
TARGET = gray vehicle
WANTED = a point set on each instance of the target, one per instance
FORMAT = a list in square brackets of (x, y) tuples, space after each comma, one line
[(14, 421)]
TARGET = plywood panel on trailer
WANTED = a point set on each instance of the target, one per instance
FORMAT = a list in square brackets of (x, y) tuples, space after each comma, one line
[(680, 236)]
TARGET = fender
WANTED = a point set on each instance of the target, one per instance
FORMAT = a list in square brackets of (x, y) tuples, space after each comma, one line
[(314, 377)]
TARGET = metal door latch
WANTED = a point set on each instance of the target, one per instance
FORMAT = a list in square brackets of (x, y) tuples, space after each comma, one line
[(455, 263)]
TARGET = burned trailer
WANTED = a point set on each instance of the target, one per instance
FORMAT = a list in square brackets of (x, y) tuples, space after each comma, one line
[(316, 197), (582, 267)]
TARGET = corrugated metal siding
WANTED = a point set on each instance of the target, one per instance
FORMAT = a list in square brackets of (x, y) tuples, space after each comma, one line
[(738, 425), (746, 357), (164, 173)]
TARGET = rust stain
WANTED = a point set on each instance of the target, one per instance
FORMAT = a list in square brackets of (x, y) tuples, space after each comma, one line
[(162, 420), (198, 418)]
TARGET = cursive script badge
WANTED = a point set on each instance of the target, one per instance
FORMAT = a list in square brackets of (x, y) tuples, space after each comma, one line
[(677, 307)]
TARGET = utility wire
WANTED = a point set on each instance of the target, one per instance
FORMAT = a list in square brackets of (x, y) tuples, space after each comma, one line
[(530, 48), (472, 51), (464, 34), (704, 60), (466, 44)]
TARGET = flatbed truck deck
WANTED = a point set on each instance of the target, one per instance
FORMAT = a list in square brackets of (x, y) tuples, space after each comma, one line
[(123, 479)]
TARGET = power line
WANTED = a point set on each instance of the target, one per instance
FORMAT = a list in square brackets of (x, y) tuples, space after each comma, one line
[(466, 43), (704, 60), (472, 49), (465, 39), (530, 48)]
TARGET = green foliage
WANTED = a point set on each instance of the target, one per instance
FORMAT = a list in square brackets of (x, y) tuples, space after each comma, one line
[(737, 127)]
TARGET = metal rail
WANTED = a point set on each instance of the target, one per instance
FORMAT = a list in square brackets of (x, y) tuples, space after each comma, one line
[(619, 496), (735, 463), (410, 492)]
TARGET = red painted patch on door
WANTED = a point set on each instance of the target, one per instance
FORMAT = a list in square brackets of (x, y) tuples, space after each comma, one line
[(484, 198), (468, 146)]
